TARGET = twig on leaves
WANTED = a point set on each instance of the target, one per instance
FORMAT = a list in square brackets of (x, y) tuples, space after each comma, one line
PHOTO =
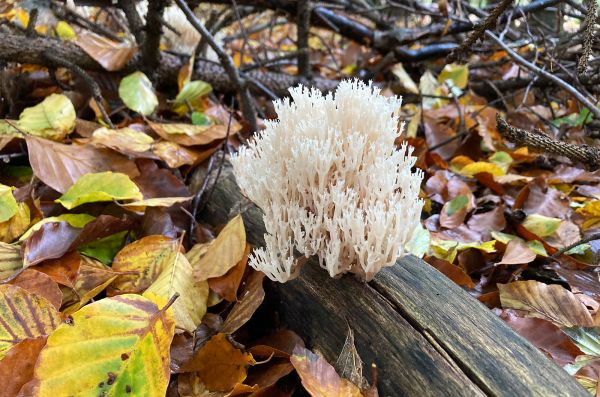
[(94, 87), (588, 155), (589, 35), (540, 72), (235, 77), (593, 237)]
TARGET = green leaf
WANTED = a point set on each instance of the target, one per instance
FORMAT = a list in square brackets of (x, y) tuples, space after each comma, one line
[(102, 186), (456, 73), (419, 243), (586, 339), (200, 119), (457, 204), (53, 118), (8, 203), (106, 248), (502, 159), (540, 225), (137, 93), (191, 93)]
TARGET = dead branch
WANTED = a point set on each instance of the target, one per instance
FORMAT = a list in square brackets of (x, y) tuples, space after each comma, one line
[(459, 53), (237, 80), (588, 155)]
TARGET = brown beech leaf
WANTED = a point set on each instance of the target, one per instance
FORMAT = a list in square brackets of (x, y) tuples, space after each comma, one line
[(544, 200), (62, 270), (251, 297), (52, 240), (267, 375), (220, 365), (176, 156), (112, 55), (517, 253), (16, 368), (453, 272), (280, 344), (319, 377), (550, 302), (227, 285), (60, 166), (158, 182), (41, 284), (585, 282), (545, 336), (487, 222)]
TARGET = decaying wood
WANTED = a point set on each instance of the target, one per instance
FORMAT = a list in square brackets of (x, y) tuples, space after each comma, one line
[(427, 336)]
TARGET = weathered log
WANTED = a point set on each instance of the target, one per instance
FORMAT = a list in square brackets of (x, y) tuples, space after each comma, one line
[(427, 336)]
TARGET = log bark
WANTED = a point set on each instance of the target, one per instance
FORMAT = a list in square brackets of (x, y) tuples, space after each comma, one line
[(427, 336), (19, 48)]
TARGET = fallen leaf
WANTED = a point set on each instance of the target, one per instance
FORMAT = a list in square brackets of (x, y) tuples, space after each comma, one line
[(8, 203), (148, 257), (102, 186), (226, 286), (550, 302), (517, 253), (53, 118), (16, 368), (10, 260), (64, 270), (112, 55), (318, 376), (124, 140), (24, 315), (251, 297), (137, 93), (40, 284), (189, 134), (177, 277), (60, 166), (221, 254), (11, 229), (219, 364), (126, 351)]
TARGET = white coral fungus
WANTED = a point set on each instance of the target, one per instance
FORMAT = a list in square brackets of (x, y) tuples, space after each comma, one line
[(332, 183)]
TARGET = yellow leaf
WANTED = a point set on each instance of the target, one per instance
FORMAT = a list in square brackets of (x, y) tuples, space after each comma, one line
[(191, 93), (147, 258), (137, 93), (189, 134), (17, 225), (540, 225), (591, 208), (125, 140), (139, 206), (481, 166), (24, 315), (101, 186), (222, 254), (53, 118), (10, 260), (8, 204), (190, 307), (456, 73), (114, 347), (65, 31)]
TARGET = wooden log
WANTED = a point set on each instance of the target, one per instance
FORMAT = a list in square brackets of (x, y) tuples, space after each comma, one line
[(427, 336)]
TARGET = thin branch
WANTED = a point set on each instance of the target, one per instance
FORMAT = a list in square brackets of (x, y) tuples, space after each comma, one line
[(153, 33), (303, 31), (589, 35), (540, 72), (136, 25), (458, 54), (247, 105), (588, 155)]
